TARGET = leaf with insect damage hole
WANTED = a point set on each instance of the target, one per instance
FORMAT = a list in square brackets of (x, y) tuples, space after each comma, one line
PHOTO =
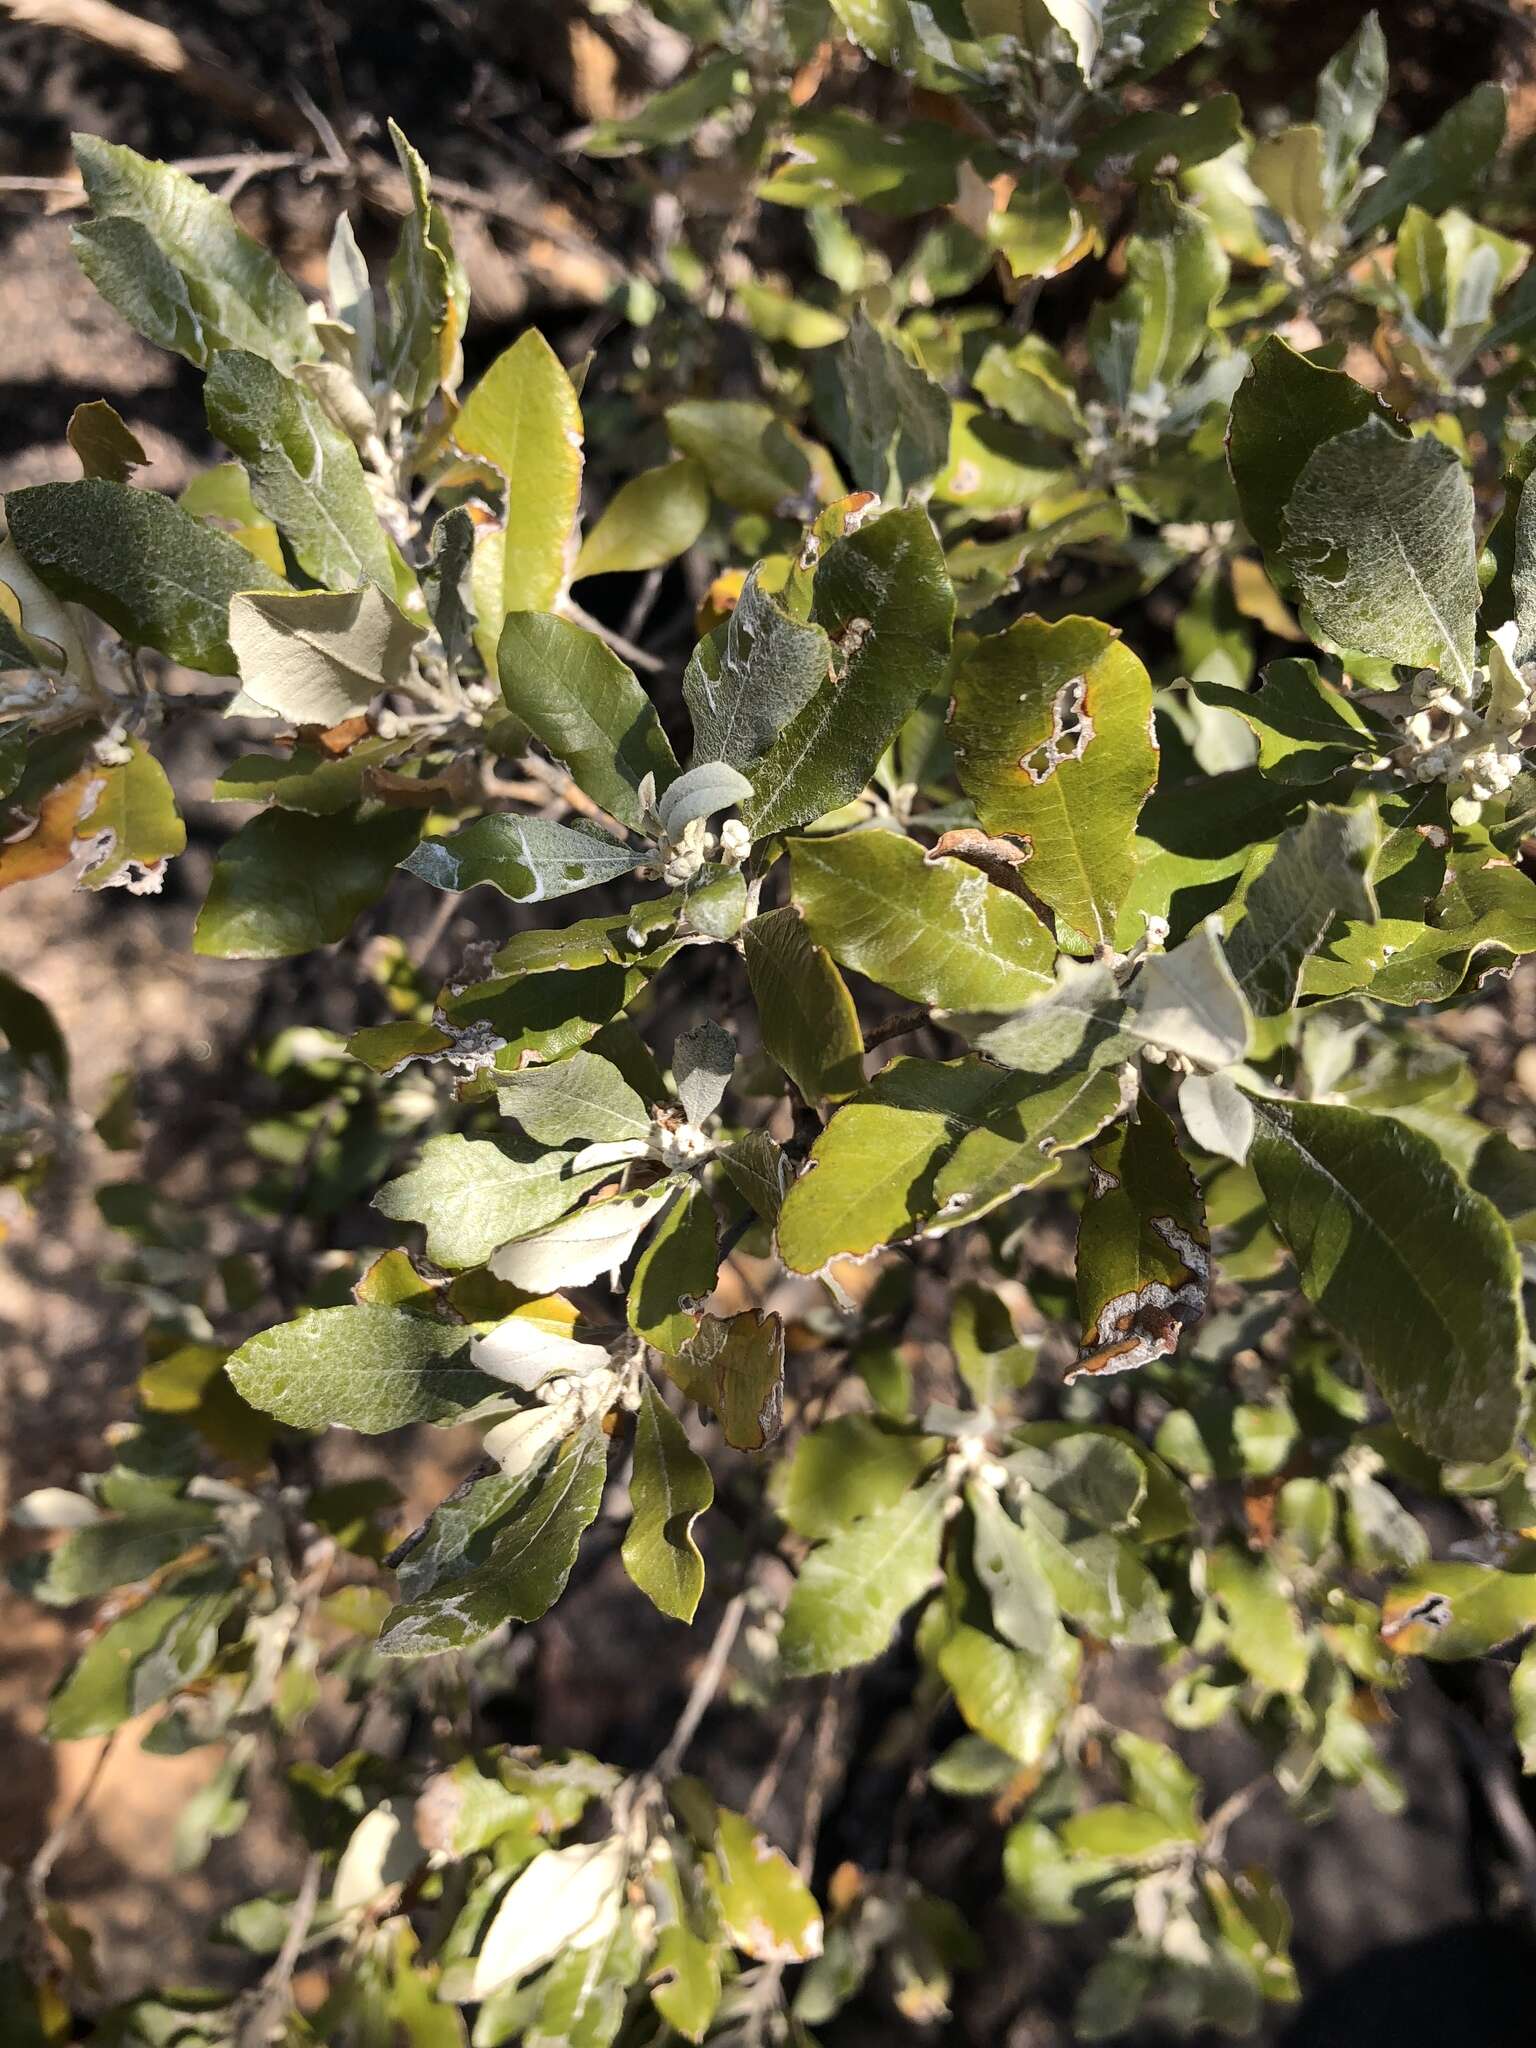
[(1410, 1266), (1448, 1609), (133, 827), (1053, 743), (882, 595), (584, 706), (734, 1365), (523, 1572), (767, 1907), (669, 1488), (854, 1589), (1143, 1250), (937, 932), (532, 860)]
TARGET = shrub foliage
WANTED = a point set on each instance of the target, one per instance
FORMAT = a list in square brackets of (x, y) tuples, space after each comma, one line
[(1099, 765)]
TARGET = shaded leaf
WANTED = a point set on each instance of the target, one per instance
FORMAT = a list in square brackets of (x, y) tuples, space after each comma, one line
[(853, 1590), (807, 1017), (318, 656), (670, 1488), (287, 882)]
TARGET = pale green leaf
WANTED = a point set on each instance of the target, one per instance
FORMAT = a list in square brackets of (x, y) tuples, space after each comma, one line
[(581, 1247), (531, 860), (317, 656), (523, 418), (474, 1195), (368, 1368), (133, 826)]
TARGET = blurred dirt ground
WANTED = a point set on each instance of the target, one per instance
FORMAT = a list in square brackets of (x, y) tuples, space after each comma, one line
[(488, 91)]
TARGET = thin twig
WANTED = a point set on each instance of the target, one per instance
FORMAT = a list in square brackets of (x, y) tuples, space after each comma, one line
[(705, 1686), (1230, 1811), (823, 1773), (62, 1833), (274, 1990), (768, 1784)]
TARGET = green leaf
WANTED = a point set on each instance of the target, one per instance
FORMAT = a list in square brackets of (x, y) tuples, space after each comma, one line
[(670, 1488), (752, 460), (888, 415), (1014, 1698), (1483, 916), (133, 827), (735, 1366), (287, 882), (846, 1468), (584, 1096), (1350, 94), (1176, 270), (766, 1905), (807, 1017), (104, 445), (1308, 731), (305, 474), (1289, 168), (1143, 1250), (140, 1659), (685, 1969), (936, 931), (843, 156), (648, 522), (523, 1573), (474, 1195), (368, 1368), (675, 113), (160, 577), (937, 1144), (1283, 411), (318, 656), (445, 581), (678, 1266), (1264, 1631), (1008, 1568), (752, 676), (1051, 726), (1378, 532), (879, 26), (34, 1037), (853, 1590), (531, 860), (428, 295), (584, 705), (1434, 169), (1522, 1699), (1318, 871), (1406, 1262), (231, 294), (523, 418), (883, 597)]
